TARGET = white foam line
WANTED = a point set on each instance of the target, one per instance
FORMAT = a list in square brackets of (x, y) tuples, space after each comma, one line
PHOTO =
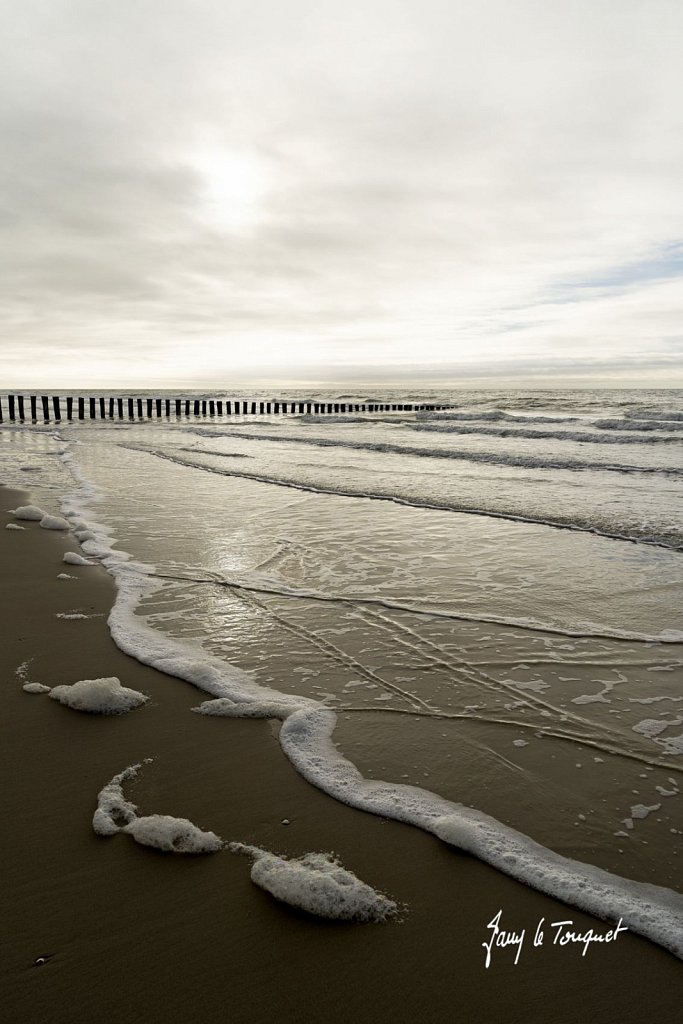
[(652, 911), (306, 738)]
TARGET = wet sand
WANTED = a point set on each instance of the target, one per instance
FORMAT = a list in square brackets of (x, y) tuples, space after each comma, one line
[(135, 935)]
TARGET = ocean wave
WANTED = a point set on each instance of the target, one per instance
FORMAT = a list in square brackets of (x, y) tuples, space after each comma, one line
[(559, 435), (642, 425), (492, 458), (496, 414), (672, 541), (653, 414)]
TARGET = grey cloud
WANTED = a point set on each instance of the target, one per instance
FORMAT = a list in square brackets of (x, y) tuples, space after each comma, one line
[(436, 174)]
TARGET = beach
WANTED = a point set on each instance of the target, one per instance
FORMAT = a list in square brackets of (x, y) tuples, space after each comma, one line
[(138, 935), (132, 934)]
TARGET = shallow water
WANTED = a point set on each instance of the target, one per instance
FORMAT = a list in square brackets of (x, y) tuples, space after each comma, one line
[(526, 659)]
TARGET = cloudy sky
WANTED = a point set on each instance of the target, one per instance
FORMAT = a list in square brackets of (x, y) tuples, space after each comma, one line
[(209, 191)]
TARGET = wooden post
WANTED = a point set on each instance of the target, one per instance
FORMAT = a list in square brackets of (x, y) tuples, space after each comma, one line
[(46, 408), (276, 407), (253, 408), (158, 405), (187, 406), (102, 412), (268, 407), (244, 408), (10, 403), (55, 406), (69, 408), (20, 403), (34, 415), (308, 408), (177, 407), (149, 408), (220, 407), (81, 407), (196, 407), (212, 408), (0, 410), (131, 406), (119, 407), (203, 407), (261, 407), (228, 408)]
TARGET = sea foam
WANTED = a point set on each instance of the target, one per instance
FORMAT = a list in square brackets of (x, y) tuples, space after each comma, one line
[(103, 696), (73, 558), (318, 884), (54, 523), (29, 512), (172, 835), (161, 831)]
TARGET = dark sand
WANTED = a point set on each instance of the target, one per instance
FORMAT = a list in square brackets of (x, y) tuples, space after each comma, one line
[(140, 936)]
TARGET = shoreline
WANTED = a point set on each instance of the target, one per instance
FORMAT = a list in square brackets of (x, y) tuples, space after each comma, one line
[(139, 935)]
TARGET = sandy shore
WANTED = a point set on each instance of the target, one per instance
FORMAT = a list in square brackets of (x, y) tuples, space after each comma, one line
[(139, 936)]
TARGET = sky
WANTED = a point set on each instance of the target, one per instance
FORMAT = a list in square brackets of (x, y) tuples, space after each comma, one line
[(215, 191)]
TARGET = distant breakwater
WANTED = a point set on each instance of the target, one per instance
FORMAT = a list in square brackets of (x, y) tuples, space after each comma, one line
[(55, 409)]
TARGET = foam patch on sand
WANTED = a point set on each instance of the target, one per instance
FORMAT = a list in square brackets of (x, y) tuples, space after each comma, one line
[(318, 884), (226, 708), (65, 576), (73, 558), (161, 831), (54, 522), (14, 526), (114, 812), (172, 835), (103, 696), (35, 688), (29, 512)]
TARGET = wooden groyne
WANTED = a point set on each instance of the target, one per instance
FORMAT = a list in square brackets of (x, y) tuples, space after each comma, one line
[(57, 408)]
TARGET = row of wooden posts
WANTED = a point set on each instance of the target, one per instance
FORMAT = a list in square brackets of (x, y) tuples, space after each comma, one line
[(144, 408)]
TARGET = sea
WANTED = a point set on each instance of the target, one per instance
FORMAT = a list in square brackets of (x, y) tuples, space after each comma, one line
[(469, 619)]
